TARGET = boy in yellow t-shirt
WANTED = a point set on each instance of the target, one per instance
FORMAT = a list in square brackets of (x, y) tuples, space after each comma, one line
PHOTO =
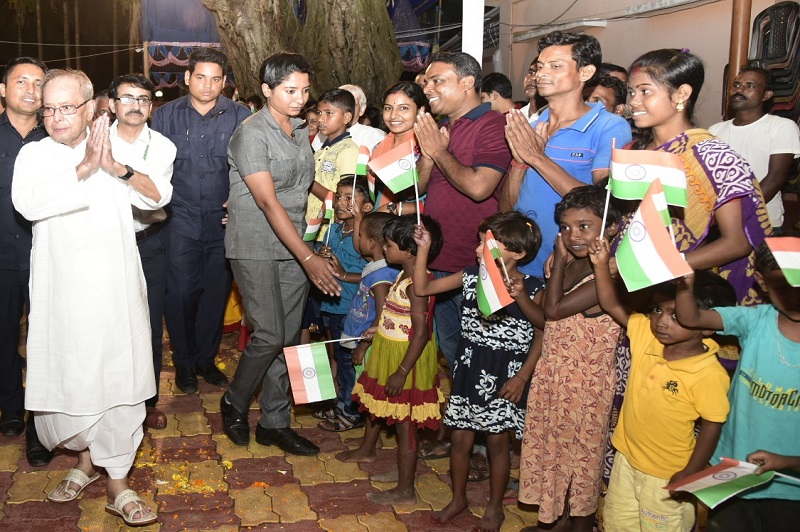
[(675, 380), (339, 154)]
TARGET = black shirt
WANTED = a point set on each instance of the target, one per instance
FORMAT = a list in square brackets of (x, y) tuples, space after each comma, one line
[(15, 231)]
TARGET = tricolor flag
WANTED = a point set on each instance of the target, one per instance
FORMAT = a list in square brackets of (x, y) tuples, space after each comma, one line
[(363, 159), (492, 293), (329, 206), (309, 373), (717, 484), (632, 171), (786, 250), (647, 253), (397, 167), (312, 230)]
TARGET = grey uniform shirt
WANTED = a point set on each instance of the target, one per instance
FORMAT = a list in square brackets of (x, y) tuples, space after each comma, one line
[(259, 145)]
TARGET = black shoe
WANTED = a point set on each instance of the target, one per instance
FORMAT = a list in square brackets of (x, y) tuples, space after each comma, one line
[(12, 423), (287, 439), (211, 374), (36, 453), (186, 379), (234, 423)]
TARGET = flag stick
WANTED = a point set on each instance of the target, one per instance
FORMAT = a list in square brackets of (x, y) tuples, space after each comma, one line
[(353, 194), (605, 212), (505, 271), (328, 233), (332, 341), (416, 195)]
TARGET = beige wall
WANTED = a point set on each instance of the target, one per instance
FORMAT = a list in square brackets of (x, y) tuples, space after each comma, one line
[(704, 29)]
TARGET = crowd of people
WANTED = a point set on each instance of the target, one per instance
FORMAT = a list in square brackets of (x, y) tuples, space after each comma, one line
[(114, 227)]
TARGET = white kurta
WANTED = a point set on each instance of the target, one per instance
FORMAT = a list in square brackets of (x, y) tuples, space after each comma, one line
[(89, 343)]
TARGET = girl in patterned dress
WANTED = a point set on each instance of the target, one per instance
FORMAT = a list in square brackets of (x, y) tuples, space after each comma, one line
[(494, 362), (571, 392), (400, 381)]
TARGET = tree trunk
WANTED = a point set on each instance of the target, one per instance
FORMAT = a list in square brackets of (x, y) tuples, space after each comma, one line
[(133, 9), (351, 41), (251, 31), (67, 62), (347, 41), (78, 52)]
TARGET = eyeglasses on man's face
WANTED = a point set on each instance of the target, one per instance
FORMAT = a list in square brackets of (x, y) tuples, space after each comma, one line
[(65, 110), (130, 100)]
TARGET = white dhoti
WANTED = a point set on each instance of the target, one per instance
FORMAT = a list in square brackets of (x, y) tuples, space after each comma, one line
[(112, 437)]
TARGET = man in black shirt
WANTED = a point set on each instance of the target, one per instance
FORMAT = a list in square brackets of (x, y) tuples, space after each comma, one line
[(19, 125)]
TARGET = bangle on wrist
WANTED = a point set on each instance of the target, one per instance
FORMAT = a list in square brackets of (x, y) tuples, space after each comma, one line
[(515, 164), (517, 375), (306, 259), (404, 369)]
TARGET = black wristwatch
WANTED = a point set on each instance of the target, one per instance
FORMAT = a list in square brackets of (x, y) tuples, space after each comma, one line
[(128, 175)]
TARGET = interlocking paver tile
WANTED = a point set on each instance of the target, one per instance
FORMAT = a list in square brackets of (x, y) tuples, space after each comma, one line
[(332, 500), (170, 431), (6, 479), (229, 450), (342, 471), (142, 480), (381, 522), (273, 471), (192, 423), (420, 521), (180, 404), (526, 514), (185, 449), (253, 506), (28, 487), (433, 491), (309, 469), (43, 512), (290, 503), (210, 401), (347, 523), (9, 457)]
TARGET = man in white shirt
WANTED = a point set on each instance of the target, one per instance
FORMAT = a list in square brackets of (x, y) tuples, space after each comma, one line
[(768, 142), (90, 366), (135, 144), (362, 135), (529, 85)]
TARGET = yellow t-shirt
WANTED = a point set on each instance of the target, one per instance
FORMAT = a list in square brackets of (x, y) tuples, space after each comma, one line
[(664, 399), (331, 161)]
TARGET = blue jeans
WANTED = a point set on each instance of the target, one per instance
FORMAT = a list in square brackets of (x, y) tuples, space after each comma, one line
[(345, 371), (448, 321)]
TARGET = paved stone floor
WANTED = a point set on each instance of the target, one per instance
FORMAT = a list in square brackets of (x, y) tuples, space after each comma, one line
[(199, 480)]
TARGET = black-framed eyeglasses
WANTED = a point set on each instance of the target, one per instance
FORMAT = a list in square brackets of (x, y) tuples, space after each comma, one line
[(66, 110), (129, 100)]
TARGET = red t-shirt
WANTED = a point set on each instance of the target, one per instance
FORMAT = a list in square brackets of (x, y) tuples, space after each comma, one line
[(476, 139)]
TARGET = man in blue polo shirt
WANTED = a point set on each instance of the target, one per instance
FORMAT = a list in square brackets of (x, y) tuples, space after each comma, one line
[(200, 125), (569, 146)]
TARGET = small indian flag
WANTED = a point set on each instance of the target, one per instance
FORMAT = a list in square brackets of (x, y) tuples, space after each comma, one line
[(329, 206), (786, 250), (363, 159), (647, 254), (632, 171), (397, 167), (717, 484), (312, 229), (309, 373), (492, 293)]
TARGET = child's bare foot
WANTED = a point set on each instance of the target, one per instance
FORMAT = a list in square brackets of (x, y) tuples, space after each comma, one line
[(357, 442), (449, 512), (393, 496), (356, 455), (491, 521)]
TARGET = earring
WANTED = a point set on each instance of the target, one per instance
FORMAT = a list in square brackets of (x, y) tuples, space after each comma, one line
[(679, 107)]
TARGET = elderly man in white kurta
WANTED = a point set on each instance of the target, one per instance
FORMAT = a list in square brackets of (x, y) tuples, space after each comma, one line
[(90, 365)]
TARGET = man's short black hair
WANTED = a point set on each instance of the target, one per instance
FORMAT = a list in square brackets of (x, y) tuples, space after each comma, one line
[(24, 60), (136, 80), (608, 68), (766, 74), (463, 64), (339, 98), (585, 48), (208, 55), (497, 82)]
